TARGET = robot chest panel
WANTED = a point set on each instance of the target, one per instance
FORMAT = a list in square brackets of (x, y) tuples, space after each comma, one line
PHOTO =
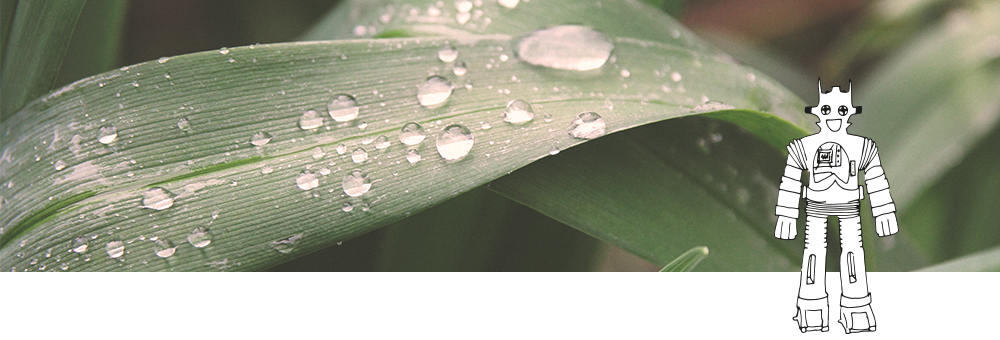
[(833, 160)]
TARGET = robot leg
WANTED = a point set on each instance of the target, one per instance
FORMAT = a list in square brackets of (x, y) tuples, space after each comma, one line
[(855, 302), (813, 308)]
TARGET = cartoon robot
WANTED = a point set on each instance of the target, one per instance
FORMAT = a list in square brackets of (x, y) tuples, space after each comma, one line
[(834, 159)]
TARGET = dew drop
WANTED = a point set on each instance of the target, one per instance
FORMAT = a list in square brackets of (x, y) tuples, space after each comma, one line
[(460, 68), (381, 142), (518, 112), (712, 105), (587, 125), (447, 53), (164, 248), (224, 51), (287, 245), (157, 199), (115, 249), (356, 183), (485, 126), (463, 5), (162, 60), (568, 47), (412, 134), (64, 266), (200, 237), (508, 3), (454, 142), (751, 77), (362, 126), (341, 149), (434, 91), (625, 73), (183, 124), (80, 244), (462, 17), (324, 171), (60, 164), (554, 151), (359, 155), (260, 138), (266, 170), (107, 134), (347, 207), (343, 108), (311, 119), (307, 180), (676, 77), (412, 156), (318, 153)]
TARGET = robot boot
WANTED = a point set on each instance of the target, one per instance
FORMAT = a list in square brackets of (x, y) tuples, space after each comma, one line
[(856, 314), (813, 315)]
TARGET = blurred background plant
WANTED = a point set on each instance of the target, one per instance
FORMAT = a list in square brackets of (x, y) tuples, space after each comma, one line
[(927, 73)]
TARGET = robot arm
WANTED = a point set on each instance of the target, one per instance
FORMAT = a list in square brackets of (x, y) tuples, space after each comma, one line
[(790, 192), (878, 192)]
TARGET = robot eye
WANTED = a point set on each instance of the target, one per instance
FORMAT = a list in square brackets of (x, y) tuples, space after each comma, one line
[(842, 110), (825, 109)]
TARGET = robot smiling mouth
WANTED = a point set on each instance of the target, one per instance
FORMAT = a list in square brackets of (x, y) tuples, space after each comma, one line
[(833, 124)]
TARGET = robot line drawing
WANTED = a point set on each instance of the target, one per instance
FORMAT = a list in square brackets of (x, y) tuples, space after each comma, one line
[(833, 159)]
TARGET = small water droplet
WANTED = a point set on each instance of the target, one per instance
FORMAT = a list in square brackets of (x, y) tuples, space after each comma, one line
[(343, 108), (200, 237), (463, 5), (356, 183), (362, 126), (460, 68), (568, 47), (518, 112), (462, 17), (311, 119), (485, 126), (266, 170), (676, 77), (287, 245), (60, 164), (115, 249), (412, 134), (183, 124), (712, 105), (554, 151), (341, 149), (508, 3), (79, 244), (260, 138), (347, 207), (625, 73), (434, 91), (587, 125), (224, 51), (751, 77), (162, 60), (157, 198), (447, 53), (381, 142), (64, 266), (324, 171), (307, 180), (454, 142), (359, 155), (318, 153), (412, 156), (164, 248), (107, 134)]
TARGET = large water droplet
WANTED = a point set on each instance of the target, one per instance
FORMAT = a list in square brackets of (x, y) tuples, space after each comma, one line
[(460, 68), (200, 237), (343, 108), (115, 249), (80, 244), (463, 5), (356, 183), (60, 164), (568, 47), (412, 156), (676, 77), (287, 245), (454, 142), (318, 153), (341, 149), (434, 91), (260, 138), (412, 134), (107, 134), (381, 142), (508, 3), (183, 124), (164, 248), (157, 198), (307, 180), (587, 125), (518, 112), (359, 155), (447, 53), (311, 119)]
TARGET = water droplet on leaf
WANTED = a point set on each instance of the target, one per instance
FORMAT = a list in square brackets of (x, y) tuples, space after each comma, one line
[(80, 244), (518, 112), (434, 91), (60, 164), (311, 119), (157, 199), (412, 156), (412, 134), (107, 134), (307, 180), (381, 142), (447, 53), (587, 125), (567, 47), (287, 245), (356, 183), (164, 248), (343, 108), (359, 155), (460, 68), (115, 249), (454, 142), (260, 138), (200, 237)]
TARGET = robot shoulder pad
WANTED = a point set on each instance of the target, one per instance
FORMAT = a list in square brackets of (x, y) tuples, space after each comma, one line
[(797, 152), (868, 153)]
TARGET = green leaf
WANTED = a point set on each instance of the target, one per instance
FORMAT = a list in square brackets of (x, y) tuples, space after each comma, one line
[(983, 261), (36, 44), (260, 218), (687, 261), (96, 40)]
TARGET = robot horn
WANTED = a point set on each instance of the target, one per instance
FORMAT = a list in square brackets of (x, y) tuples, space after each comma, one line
[(819, 83), (848, 86)]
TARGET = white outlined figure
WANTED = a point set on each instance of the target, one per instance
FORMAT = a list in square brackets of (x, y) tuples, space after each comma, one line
[(833, 159)]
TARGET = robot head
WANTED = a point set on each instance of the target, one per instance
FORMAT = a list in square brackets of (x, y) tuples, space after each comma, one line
[(834, 108)]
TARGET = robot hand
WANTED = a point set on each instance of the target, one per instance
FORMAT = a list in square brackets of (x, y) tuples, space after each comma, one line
[(785, 229), (885, 225)]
